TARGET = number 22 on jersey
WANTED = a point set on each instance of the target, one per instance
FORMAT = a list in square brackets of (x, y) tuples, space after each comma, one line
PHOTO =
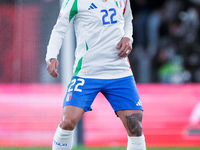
[(108, 19)]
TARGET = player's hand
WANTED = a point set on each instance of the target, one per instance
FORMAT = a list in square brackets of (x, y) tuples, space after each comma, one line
[(125, 46), (53, 67)]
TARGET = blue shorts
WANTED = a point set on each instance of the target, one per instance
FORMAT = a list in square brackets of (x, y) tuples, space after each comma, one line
[(121, 93)]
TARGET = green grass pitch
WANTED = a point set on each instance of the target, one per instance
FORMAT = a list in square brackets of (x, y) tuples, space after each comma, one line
[(84, 148)]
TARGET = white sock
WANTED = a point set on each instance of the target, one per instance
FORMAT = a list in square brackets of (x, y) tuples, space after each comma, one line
[(136, 143), (63, 139)]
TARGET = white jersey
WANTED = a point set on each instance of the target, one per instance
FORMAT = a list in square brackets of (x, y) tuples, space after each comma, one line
[(99, 26)]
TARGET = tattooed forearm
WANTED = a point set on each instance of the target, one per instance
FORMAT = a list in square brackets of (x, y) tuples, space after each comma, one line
[(134, 124)]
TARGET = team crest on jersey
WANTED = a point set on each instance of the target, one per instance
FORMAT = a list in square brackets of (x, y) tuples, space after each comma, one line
[(118, 3), (69, 96), (105, 0)]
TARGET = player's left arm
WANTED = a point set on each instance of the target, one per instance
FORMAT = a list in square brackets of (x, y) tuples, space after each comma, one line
[(125, 45)]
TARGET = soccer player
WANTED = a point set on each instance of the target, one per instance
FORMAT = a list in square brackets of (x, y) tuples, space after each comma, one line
[(103, 31)]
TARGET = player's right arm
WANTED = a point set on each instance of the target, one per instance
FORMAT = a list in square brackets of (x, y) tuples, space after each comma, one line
[(52, 67), (67, 13)]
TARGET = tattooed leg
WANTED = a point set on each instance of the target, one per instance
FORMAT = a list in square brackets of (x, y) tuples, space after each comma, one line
[(134, 124), (132, 120)]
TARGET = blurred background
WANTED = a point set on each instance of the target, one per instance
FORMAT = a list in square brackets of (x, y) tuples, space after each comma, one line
[(165, 61), (166, 46)]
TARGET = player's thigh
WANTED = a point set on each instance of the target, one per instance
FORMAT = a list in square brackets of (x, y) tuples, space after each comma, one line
[(70, 117), (122, 94)]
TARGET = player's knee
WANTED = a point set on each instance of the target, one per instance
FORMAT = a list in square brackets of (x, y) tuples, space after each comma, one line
[(137, 129), (67, 124), (134, 124)]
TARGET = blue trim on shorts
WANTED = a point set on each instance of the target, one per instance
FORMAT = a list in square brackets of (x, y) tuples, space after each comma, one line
[(121, 93)]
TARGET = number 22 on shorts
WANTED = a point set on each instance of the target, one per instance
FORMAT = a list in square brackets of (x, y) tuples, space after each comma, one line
[(78, 83)]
